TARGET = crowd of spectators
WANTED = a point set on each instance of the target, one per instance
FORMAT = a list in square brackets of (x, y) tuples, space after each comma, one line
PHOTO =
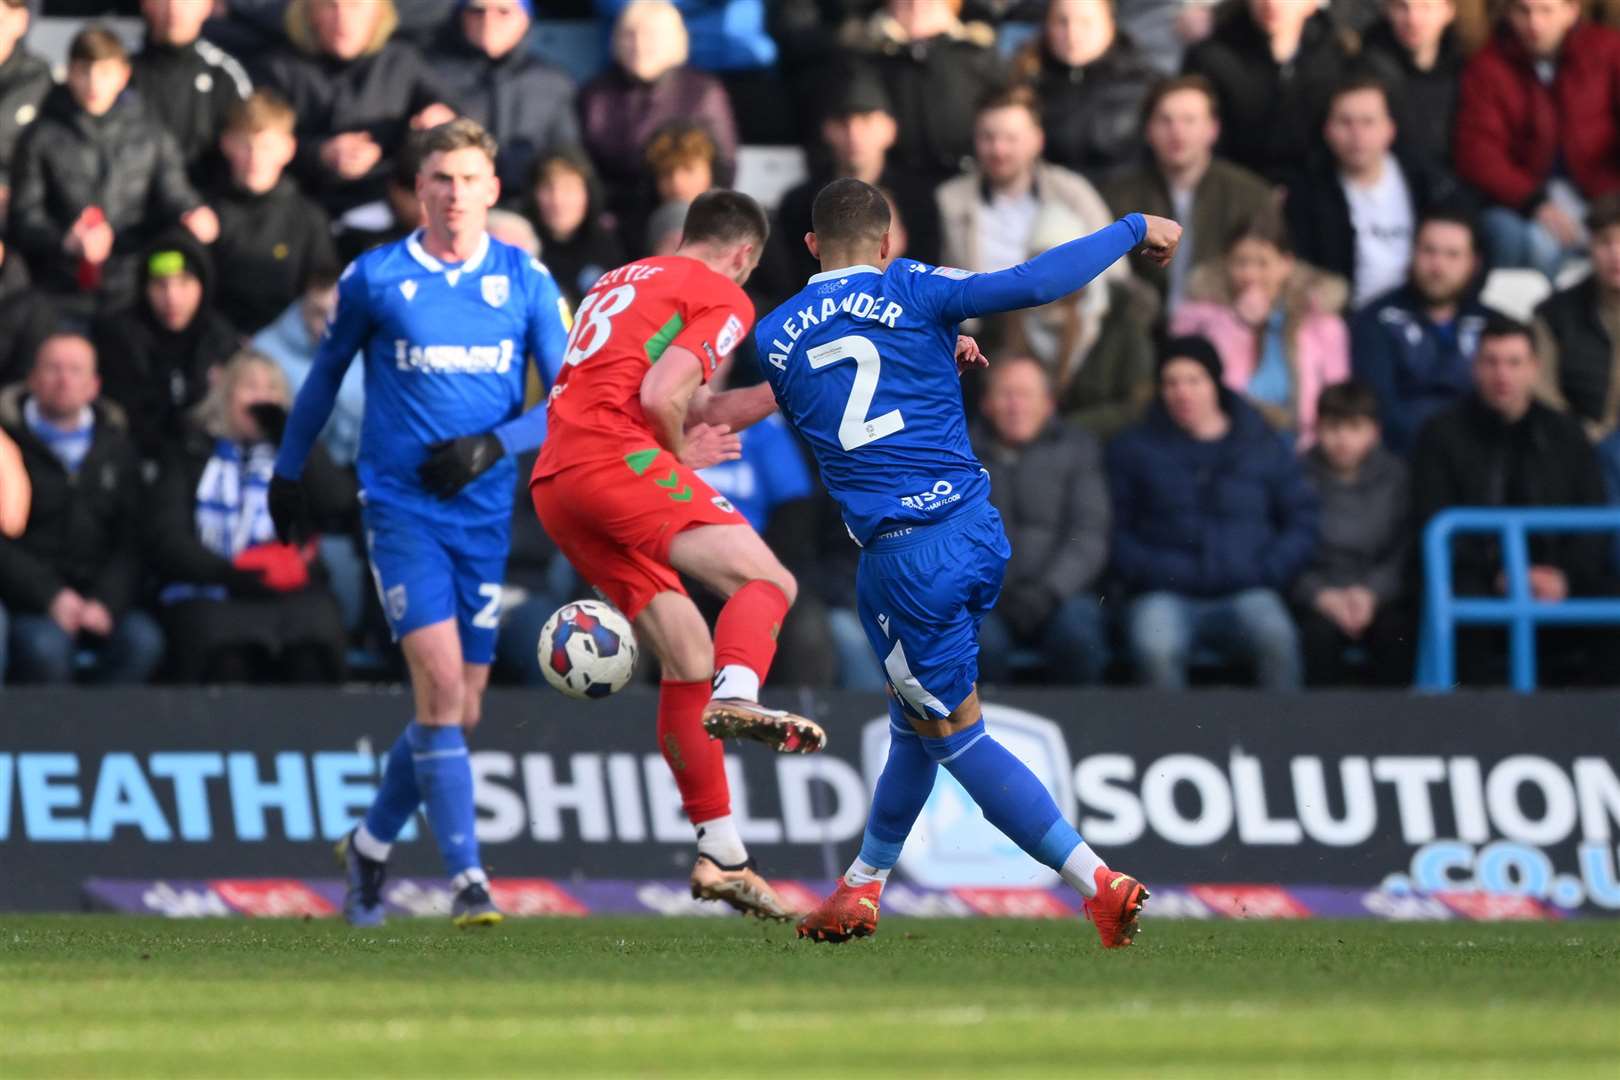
[(1212, 471)]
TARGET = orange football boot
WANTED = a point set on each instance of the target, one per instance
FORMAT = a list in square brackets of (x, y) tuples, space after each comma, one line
[(850, 912), (1116, 908)]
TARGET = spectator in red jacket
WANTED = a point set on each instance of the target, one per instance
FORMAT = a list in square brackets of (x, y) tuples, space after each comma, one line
[(1538, 130)]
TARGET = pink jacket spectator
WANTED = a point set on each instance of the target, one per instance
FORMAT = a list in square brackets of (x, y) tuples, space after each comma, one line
[(1317, 343)]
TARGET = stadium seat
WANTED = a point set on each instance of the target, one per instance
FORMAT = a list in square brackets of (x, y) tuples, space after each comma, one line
[(575, 45), (767, 172), (1515, 291)]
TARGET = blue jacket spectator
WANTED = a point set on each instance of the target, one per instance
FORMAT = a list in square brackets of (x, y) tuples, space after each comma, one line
[(1213, 520), (727, 35), (1414, 346)]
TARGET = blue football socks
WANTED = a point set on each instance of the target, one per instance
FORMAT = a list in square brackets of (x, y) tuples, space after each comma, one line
[(902, 789), (397, 795), (444, 775), (1012, 798)]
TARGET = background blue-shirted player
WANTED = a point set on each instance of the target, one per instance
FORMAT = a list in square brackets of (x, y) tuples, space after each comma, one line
[(864, 362), (446, 320)]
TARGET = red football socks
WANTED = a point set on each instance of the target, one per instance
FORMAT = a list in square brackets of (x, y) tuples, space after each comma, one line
[(698, 762), (745, 634)]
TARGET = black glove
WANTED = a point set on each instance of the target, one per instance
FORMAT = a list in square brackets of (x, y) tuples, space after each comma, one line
[(271, 418), (1026, 606), (289, 510), (455, 463)]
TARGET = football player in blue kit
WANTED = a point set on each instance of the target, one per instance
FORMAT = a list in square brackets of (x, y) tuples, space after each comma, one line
[(447, 319), (864, 362)]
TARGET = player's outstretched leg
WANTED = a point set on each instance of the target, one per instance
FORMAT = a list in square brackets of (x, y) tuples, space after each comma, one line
[(1016, 802), (364, 850), (902, 789)]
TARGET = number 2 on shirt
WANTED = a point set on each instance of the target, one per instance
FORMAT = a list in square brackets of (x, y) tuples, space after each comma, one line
[(856, 430)]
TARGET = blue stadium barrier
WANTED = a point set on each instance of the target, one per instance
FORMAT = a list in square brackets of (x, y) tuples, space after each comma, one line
[(1444, 612)]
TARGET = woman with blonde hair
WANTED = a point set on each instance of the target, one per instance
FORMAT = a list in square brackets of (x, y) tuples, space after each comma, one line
[(239, 606)]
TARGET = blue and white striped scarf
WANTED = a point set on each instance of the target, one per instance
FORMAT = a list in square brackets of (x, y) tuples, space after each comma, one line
[(69, 444), (233, 512)]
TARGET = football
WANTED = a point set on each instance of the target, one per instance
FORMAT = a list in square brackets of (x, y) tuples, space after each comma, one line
[(587, 650)]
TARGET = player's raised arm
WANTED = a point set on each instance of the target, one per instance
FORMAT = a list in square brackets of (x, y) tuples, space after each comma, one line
[(1062, 270), (346, 335)]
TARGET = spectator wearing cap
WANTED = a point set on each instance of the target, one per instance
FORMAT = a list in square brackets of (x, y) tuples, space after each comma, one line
[(69, 580), (1182, 179), (187, 84), (1274, 320), (1416, 52), (161, 351), (25, 79), (935, 69), (95, 178), (648, 86), (1355, 210), (271, 236), (857, 133), (1046, 480), (237, 605), (579, 241), (357, 93), (1500, 447), (1213, 521), (1091, 80), (495, 75), (988, 215), (1273, 64), (1414, 346)]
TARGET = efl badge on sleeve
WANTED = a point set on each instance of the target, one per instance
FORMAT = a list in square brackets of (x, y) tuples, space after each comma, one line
[(496, 287)]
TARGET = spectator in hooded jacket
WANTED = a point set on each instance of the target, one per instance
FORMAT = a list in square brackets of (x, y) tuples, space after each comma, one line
[(1355, 210), (1414, 346), (271, 237), (160, 353), (25, 79), (1213, 521), (496, 77), (78, 222), (649, 85), (1415, 51), (1352, 594), (187, 84), (935, 69), (1046, 479), (1182, 179), (357, 92), (69, 580), (1273, 64), (1275, 322), (1538, 130), (1091, 81), (578, 240), (1499, 446)]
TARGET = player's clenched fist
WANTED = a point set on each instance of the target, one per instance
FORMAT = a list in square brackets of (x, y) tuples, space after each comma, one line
[(1163, 236)]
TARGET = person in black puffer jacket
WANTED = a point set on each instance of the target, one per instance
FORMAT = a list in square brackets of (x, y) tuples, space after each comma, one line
[(1092, 81), (1273, 64), (95, 178), (188, 84), (25, 79), (357, 93), (157, 354), (1415, 51)]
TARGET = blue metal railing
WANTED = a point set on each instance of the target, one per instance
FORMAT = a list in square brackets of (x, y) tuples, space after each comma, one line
[(1521, 613)]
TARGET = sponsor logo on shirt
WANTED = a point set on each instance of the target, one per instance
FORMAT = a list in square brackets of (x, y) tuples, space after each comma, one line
[(730, 334), (941, 494), (454, 359)]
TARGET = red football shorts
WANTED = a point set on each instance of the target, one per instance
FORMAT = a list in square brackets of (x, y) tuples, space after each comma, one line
[(614, 521)]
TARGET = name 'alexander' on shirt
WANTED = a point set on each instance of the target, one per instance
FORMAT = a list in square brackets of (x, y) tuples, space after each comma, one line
[(859, 305)]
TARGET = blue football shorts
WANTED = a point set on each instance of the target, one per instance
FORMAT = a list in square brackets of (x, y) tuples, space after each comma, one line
[(921, 592), (428, 571)]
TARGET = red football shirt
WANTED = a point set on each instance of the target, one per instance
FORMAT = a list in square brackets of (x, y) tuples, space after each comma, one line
[(622, 327)]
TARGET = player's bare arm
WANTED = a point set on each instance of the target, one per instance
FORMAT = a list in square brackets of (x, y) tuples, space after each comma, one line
[(732, 409)]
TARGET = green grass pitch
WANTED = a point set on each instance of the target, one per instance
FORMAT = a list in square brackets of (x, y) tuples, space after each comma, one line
[(114, 996)]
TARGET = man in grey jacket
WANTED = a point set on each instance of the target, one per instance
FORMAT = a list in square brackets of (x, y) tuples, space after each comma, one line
[(1351, 599), (1046, 480)]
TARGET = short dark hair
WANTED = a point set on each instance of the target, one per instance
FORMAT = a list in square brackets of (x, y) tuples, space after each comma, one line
[(1268, 227), (1348, 400), (1502, 326), (95, 43), (1603, 213), (725, 217), (1011, 96), (849, 211), (1198, 84), (1449, 213), (1355, 84)]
